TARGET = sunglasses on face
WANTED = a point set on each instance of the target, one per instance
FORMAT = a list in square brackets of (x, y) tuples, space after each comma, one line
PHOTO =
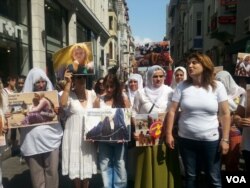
[(78, 77)]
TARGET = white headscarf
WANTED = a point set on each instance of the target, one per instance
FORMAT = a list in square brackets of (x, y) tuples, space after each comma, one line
[(33, 76), (154, 94), (173, 83), (233, 90), (131, 94)]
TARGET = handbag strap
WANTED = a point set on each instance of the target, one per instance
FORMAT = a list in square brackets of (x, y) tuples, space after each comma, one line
[(151, 108)]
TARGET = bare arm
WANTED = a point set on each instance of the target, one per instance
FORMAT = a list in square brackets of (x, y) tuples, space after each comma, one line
[(170, 123), (126, 101), (225, 120), (67, 88)]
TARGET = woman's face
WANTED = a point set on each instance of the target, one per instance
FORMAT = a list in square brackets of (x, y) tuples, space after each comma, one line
[(247, 59), (40, 85), (158, 78), (100, 84), (179, 76), (133, 85), (195, 68), (79, 81), (79, 55), (110, 89)]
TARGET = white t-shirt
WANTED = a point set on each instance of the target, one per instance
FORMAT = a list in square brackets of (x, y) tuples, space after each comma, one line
[(245, 143), (199, 109)]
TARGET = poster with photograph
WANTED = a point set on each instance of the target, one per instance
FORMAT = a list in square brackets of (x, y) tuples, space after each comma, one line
[(148, 129), (77, 58), (32, 109), (153, 53), (108, 124), (243, 65), (248, 101), (2, 136)]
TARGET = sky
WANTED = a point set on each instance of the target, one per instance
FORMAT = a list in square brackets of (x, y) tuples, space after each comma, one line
[(147, 19)]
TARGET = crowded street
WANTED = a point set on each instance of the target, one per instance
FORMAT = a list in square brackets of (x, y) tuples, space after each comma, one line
[(124, 94)]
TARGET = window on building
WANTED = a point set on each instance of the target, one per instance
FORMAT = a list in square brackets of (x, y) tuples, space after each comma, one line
[(198, 23), (110, 22), (55, 23), (14, 46), (191, 26), (208, 19), (110, 50), (56, 29), (8, 8), (102, 57)]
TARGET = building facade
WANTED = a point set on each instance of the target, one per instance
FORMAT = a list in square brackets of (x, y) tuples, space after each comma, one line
[(31, 31), (218, 28)]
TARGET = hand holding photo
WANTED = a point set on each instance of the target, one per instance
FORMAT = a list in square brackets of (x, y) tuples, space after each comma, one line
[(243, 65), (77, 58), (32, 109)]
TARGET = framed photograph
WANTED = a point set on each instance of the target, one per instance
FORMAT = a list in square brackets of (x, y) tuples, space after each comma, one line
[(153, 53), (108, 125), (77, 58), (148, 128), (33, 109), (243, 65)]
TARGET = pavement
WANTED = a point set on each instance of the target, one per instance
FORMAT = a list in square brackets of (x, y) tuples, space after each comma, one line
[(17, 175)]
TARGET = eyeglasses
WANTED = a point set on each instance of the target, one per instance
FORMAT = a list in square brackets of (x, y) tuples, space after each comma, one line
[(158, 76)]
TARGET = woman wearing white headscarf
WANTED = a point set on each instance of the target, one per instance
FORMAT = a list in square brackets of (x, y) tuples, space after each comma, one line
[(156, 167), (179, 75), (135, 83), (40, 144), (234, 93)]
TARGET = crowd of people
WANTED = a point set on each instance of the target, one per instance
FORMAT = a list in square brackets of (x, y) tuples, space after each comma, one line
[(205, 125)]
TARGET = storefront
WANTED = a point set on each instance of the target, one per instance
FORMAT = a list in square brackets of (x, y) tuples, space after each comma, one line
[(14, 37)]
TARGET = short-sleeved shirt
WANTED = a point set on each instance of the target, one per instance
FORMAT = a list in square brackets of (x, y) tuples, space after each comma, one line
[(199, 108)]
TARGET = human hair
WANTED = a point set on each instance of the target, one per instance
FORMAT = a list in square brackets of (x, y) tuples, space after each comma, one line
[(247, 58), (11, 77), (22, 77), (208, 70), (118, 100), (86, 50), (97, 85)]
